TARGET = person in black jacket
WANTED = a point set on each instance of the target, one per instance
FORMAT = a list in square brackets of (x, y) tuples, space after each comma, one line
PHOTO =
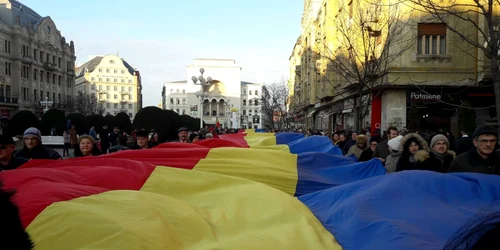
[(440, 157), (13, 235), (7, 159), (142, 140), (482, 158), (350, 142), (104, 139), (33, 148), (414, 151), (464, 143), (368, 153)]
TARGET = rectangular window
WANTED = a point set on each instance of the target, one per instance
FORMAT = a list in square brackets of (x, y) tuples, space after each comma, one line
[(7, 68), (7, 47), (431, 39)]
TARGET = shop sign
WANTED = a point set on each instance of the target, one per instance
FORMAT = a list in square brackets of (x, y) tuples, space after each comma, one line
[(424, 96)]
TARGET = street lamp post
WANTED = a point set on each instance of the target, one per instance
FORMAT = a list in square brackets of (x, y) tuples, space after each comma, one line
[(227, 113), (47, 103), (202, 81)]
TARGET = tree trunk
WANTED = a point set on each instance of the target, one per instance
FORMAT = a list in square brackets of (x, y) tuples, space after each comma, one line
[(496, 85)]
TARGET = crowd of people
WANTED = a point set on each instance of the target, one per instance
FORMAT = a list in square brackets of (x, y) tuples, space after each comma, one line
[(440, 152), (398, 151), (95, 142)]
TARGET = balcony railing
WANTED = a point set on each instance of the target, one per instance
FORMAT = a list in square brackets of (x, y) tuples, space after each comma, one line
[(70, 72), (125, 93), (49, 66), (124, 101)]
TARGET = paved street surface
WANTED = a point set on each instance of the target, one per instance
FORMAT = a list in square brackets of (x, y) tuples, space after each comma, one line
[(60, 151)]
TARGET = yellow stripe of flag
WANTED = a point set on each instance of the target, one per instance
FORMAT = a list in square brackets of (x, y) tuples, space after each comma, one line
[(182, 209), (277, 169)]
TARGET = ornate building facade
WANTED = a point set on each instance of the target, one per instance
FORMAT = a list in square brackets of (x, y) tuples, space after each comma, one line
[(232, 102), (114, 83), (36, 62)]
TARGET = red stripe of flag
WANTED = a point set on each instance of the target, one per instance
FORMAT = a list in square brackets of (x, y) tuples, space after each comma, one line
[(38, 187)]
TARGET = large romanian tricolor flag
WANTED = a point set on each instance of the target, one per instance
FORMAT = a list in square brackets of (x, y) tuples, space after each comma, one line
[(244, 191)]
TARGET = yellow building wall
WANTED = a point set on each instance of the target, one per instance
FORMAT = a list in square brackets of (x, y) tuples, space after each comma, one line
[(114, 86)]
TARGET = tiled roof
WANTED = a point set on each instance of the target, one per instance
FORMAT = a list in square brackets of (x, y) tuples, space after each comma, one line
[(92, 64), (27, 15)]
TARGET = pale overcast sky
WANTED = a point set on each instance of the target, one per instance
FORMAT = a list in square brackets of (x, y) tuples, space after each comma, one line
[(161, 37)]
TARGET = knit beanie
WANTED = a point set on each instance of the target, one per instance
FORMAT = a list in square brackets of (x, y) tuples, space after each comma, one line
[(33, 132), (394, 142), (439, 137), (485, 130)]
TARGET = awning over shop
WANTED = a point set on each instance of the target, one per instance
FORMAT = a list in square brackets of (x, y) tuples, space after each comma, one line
[(310, 114)]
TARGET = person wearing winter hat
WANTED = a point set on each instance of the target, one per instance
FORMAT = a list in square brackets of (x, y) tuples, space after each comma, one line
[(368, 153), (482, 158), (392, 159), (33, 148), (359, 147), (440, 157), (8, 160)]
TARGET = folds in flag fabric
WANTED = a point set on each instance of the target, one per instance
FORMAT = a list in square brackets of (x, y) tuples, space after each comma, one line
[(259, 191), (406, 210)]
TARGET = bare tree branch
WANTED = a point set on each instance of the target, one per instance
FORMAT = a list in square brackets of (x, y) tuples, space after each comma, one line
[(273, 105), (88, 104), (369, 41)]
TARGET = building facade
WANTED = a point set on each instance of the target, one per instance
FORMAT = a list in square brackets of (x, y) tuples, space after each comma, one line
[(37, 64), (113, 82), (432, 75), (228, 100)]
